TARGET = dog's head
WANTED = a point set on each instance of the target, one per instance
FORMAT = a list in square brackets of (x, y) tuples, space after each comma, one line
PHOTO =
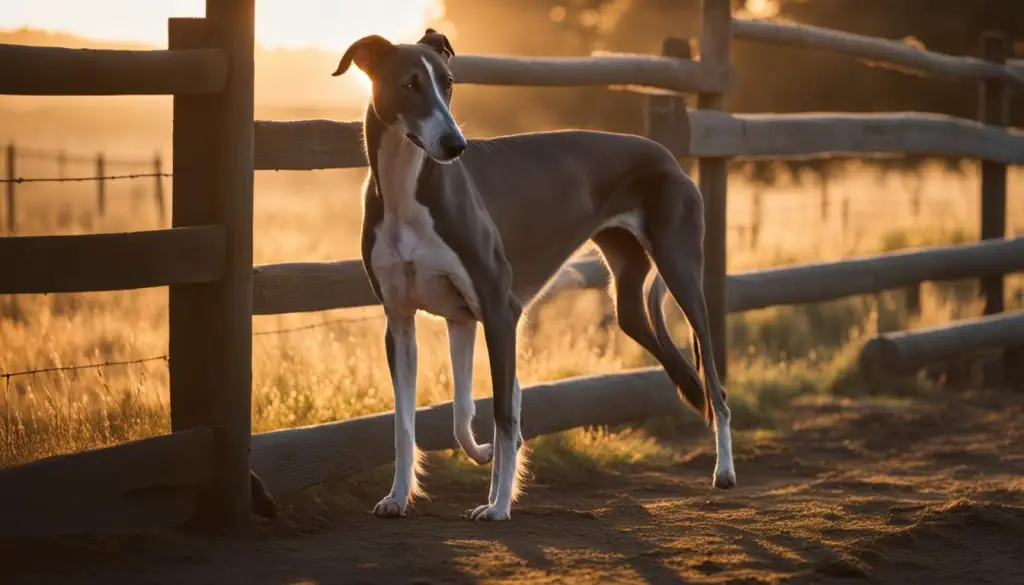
[(412, 89)]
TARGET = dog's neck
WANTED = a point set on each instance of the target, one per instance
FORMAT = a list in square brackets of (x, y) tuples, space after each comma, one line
[(395, 163)]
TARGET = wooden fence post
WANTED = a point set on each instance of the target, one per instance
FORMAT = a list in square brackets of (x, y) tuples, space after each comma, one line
[(663, 110), (211, 324), (158, 185), (101, 187), (12, 170), (715, 43), (994, 109)]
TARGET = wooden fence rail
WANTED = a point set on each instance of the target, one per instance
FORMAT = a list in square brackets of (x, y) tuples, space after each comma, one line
[(57, 71), (876, 52), (51, 264), (795, 136), (906, 351), (324, 144), (133, 486), (319, 286), (292, 459), (681, 75)]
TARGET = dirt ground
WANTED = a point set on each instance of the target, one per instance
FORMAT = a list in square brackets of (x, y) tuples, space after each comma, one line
[(925, 491)]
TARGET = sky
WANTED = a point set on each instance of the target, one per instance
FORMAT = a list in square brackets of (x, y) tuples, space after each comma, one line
[(325, 24)]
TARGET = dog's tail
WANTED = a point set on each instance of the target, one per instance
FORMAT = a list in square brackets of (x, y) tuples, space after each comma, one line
[(693, 389), (465, 410)]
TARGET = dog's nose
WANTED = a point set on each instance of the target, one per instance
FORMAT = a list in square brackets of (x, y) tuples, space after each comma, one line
[(453, 145)]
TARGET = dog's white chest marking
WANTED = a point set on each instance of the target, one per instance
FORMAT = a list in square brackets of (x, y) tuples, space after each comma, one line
[(416, 269)]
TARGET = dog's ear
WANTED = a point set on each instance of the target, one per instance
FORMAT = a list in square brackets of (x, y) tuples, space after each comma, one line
[(366, 53), (439, 43)]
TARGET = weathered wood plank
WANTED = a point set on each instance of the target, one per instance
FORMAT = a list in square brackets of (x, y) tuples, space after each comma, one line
[(308, 145), (313, 286), (143, 484), (57, 71), (713, 179), (211, 326), (907, 351), (320, 286), (310, 286), (811, 283), (816, 135), (994, 110), (97, 262), (875, 51), (292, 459), (680, 75)]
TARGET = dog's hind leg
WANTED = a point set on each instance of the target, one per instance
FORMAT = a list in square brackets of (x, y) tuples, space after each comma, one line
[(400, 343), (675, 220), (461, 340), (630, 266)]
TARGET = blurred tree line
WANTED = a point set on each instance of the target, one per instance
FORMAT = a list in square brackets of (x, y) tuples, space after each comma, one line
[(769, 78)]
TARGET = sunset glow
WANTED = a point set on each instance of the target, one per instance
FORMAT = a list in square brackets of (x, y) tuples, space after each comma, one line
[(325, 24)]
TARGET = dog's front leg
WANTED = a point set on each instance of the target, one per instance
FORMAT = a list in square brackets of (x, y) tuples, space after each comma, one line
[(500, 322), (400, 343)]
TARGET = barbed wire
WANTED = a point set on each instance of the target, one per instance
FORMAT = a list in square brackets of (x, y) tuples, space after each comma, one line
[(319, 325), (165, 358), (93, 366), (85, 178)]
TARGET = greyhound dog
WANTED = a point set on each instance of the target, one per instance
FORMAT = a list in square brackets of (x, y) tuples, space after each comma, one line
[(472, 231)]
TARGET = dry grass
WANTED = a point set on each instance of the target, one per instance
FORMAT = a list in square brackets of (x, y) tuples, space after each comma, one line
[(338, 371)]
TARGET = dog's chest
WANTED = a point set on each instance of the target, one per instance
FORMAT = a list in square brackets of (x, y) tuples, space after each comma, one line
[(415, 267)]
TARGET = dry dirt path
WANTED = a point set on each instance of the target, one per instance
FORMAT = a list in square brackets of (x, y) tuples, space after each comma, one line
[(926, 492)]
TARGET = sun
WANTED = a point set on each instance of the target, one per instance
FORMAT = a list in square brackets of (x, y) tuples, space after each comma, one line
[(362, 80)]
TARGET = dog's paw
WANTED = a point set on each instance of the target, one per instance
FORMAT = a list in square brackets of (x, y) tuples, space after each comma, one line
[(724, 478), (484, 455), (390, 507), (487, 513)]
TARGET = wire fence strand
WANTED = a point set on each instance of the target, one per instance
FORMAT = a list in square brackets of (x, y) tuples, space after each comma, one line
[(93, 366), (319, 325), (165, 358), (20, 180)]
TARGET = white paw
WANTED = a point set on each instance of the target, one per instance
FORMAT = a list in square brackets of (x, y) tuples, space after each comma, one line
[(390, 507), (724, 478), (487, 513), (484, 455)]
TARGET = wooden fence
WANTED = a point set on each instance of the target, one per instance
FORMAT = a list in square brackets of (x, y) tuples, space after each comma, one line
[(101, 163), (199, 474)]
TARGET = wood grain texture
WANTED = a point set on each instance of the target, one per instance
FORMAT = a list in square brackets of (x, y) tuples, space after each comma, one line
[(28, 70), (875, 51), (97, 262), (811, 283), (142, 484), (309, 145), (818, 282), (320, 286), (293, 459), (310, 286), (994, 110), (906, 351), (680, 75), (713, 180), (794, 136)]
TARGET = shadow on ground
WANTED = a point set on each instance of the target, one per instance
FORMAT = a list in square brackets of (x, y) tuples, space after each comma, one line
[(925, 491)]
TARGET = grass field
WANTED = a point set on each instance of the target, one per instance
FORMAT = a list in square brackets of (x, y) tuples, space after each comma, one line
[(338, 370)]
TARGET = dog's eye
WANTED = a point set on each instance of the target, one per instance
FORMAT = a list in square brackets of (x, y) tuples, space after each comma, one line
[(412, 85), (448, 83)]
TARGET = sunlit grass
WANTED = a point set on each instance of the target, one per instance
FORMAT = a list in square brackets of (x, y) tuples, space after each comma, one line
[(338, 371)]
